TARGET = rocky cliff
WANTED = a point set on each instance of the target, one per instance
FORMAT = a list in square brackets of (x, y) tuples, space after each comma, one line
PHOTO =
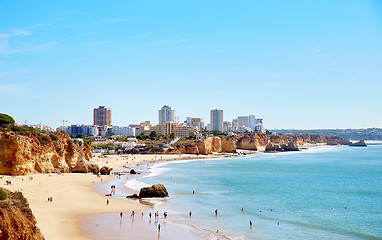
[(255, 142), (28, 153), (16, 219)]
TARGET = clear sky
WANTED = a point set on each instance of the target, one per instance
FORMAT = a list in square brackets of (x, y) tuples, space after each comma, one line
[(297, 64)]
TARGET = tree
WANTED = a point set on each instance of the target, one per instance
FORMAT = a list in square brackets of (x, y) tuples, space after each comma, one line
[(191, 136), (172, 135), (5, 120), (153, 135)]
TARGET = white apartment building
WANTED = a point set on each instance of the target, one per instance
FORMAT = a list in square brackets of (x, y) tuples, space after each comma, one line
[(166, 114)]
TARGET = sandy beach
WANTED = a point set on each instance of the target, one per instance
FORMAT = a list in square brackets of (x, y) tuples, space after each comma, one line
[(73, 195)]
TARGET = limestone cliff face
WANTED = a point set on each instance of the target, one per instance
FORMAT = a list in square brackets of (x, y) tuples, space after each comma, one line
[(255, 141), (16, 219), (43, 153), (208, 146)]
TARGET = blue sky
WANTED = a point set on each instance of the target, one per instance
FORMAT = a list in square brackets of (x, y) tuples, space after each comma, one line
[(297, 64)]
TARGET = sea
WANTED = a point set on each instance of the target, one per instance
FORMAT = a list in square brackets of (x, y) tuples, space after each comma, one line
[(326, 192)]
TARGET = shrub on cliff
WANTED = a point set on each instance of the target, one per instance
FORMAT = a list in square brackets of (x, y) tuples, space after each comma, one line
[(3, 195), (5, 120)]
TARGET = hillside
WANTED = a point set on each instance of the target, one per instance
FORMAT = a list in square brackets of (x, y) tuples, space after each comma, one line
[(26, 152), (16, 218), (348, 134)]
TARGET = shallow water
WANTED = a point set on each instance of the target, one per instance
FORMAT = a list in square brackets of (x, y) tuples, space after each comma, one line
[(320, 193)]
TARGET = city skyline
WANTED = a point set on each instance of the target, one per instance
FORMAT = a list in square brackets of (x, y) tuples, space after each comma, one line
[(303, 65)]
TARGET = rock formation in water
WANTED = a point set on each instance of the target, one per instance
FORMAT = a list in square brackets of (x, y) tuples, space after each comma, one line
[(28, 153), (360, 143), (156, 190), (16, 219)]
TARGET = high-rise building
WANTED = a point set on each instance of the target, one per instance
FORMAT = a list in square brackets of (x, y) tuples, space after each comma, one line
[(195, 122), (247, 124), (216, 120), (102, 116), (166, 114)]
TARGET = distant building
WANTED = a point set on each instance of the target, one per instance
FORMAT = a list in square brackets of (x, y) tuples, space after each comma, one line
[(102, 116), (216, 120), (259, 125), (195, 122), (130, 143), (227, 126), (78, 129), (61, 129), (93, 131), (171, 127), (125, 131), (166, 114), (139, 128), (247, 124)]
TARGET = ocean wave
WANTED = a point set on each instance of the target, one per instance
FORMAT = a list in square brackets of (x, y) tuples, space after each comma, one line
[(135, 184), (157, 169)]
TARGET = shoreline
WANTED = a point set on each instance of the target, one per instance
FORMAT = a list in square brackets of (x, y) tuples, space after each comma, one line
[(78, 195), (153, 204), (74, 194)]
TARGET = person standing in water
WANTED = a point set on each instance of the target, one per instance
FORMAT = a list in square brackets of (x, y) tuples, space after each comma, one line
[(216, 212)]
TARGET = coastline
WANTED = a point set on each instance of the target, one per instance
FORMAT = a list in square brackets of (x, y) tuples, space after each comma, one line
[(77, 195)]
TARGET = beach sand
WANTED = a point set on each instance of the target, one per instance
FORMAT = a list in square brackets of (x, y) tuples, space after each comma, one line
[(73, 195)]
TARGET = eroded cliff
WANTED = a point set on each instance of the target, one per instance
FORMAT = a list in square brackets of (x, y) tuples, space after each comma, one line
[(255, 141), (28, 153), (16, 219)]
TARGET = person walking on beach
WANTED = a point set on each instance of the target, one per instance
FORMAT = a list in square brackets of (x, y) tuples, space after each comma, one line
[(216, 212), (121, 214), (150, 214), (190, 214), (107, 201), (250, 223), (159, 227)]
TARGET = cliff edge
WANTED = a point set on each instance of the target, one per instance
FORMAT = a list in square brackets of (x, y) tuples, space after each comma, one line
[(255, 142), (16, 219), (28, 153)]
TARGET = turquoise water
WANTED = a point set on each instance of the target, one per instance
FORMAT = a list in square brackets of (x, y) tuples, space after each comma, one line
[(322, 193)]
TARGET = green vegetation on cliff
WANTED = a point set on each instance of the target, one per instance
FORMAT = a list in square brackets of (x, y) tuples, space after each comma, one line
[(5, 120), (348, 134), (17, 220)]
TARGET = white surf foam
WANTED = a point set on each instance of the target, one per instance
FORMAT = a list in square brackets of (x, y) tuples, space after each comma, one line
[(135, 184)]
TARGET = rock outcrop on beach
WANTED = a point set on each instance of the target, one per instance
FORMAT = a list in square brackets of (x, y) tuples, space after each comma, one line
[(16, 219), (156, 190), (291, 146), (28, 153), (105, 170)]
